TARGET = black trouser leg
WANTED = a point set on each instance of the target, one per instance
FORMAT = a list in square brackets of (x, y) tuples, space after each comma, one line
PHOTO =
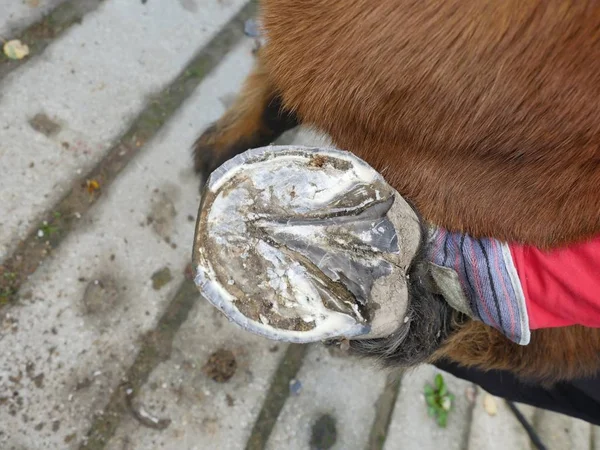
[(578, 398)]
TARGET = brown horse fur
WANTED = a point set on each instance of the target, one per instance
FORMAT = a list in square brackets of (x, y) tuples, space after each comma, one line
[(485, 114)]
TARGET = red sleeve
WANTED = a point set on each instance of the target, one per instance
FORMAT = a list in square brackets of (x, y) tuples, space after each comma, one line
[(561, 287)]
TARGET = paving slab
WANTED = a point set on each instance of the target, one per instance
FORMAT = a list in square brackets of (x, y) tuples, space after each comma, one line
[(411, 427), (61, 111), (500, 429), (81, 316), (17, 15), (209, 403), (560, 432), (343, 389)]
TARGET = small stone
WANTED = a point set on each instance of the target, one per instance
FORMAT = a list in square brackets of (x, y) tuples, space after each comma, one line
[(489, 404), (252, 28), (471, 394), (295, 387)]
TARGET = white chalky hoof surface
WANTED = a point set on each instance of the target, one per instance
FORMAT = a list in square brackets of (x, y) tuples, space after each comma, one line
[(303, 244)]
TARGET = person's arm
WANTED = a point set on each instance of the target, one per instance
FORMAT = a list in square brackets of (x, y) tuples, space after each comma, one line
[(562, 286)]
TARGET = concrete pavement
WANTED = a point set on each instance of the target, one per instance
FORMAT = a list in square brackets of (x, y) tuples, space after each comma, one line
[(104, 341)]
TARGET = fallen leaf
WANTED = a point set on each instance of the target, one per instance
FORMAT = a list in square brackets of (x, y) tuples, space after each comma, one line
[(92, 186), (32, 3), (489, 404), (439, 381), (15, 49)]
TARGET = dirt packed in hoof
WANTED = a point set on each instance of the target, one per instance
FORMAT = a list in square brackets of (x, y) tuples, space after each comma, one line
[(221, 366), (317, 161)]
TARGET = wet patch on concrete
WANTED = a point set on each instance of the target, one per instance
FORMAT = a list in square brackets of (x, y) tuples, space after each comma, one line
[(189, 5), (160, 278), (323, 433), (102, 295), (45, 125), (163, 212), (221, 366)]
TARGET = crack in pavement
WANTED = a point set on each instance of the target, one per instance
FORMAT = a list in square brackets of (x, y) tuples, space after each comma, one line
[(156, 348), (65, 215), (467, 433), (278, 393), (384, 409)]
